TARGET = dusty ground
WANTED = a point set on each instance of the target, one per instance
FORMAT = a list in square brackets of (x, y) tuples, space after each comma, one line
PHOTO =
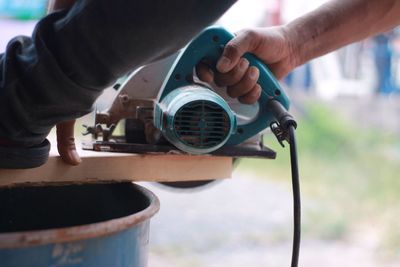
[(244, 221)]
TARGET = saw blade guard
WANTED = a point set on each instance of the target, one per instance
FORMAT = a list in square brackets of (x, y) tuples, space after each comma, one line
[(208, 46)]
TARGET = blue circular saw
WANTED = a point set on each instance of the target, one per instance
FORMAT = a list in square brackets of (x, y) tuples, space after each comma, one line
[(166, 107)]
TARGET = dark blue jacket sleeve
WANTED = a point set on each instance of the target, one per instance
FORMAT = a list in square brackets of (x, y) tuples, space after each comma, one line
[(58, 73)]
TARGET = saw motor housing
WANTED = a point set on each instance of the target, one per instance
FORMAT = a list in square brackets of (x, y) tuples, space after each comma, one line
[(195, 119)]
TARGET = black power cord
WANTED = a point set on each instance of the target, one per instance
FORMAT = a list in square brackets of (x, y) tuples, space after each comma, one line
[(284, 130), (296, 197)]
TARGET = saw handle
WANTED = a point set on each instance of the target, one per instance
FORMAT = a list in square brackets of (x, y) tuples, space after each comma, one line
[(208, 46)]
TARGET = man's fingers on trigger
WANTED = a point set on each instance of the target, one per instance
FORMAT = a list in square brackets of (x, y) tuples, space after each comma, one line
[(234, 50), (204, 73), (247, 82), (230, 56), (234, 76), (252, 96)]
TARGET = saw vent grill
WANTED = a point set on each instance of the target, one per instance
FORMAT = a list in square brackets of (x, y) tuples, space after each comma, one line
[(202, 124)]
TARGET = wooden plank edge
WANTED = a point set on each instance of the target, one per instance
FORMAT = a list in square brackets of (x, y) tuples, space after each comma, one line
[(122, 167)]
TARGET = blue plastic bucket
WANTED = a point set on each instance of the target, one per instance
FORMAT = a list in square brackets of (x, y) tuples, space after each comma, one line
[(91, 225)]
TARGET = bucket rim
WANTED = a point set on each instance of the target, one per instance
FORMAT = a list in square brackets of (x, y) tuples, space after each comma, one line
[(85, 231)]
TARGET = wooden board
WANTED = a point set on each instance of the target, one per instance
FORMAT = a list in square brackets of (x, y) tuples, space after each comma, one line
[(104, 166)]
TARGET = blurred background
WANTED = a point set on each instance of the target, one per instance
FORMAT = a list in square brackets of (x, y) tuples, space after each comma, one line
[(347, 104)]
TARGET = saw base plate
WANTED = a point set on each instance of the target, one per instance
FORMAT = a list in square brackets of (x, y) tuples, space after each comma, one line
[(245, 150)]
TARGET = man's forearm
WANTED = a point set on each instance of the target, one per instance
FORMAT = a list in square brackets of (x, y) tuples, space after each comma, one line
[(338, 23)]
